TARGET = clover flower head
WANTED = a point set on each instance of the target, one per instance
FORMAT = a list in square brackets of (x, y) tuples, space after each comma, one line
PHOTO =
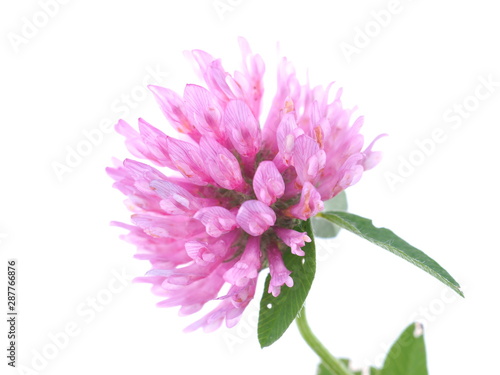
[(223, 201)]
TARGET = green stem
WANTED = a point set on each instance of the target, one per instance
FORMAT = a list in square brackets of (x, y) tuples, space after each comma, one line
[(336, 366)]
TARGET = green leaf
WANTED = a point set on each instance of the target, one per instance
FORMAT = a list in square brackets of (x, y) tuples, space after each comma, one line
[(323, 370), (407, 355), (277, 313), (324, 228), (388, 240)]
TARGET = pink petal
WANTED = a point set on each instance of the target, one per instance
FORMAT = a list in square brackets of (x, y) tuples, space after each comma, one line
[(268, 184), (204, 112), (229, 309), (288, 93), (280, 275), (204, 253), (255, 217), (372, 158), (217, 220), (203, 59), (221, 164), (309, 205), (176, 200), (155, 141), (174, 110), (287, 133), (251, 79), (192, 297), (349, 176), (215, 77), (294, 239), (133, 141), (167, 226), (187, 159), (248, 266), (308, 159), (243, 128)]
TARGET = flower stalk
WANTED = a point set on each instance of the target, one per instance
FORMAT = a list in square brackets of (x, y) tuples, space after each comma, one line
[(333, 364)]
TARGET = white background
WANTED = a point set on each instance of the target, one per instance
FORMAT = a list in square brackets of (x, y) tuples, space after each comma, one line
[(72, 73)]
